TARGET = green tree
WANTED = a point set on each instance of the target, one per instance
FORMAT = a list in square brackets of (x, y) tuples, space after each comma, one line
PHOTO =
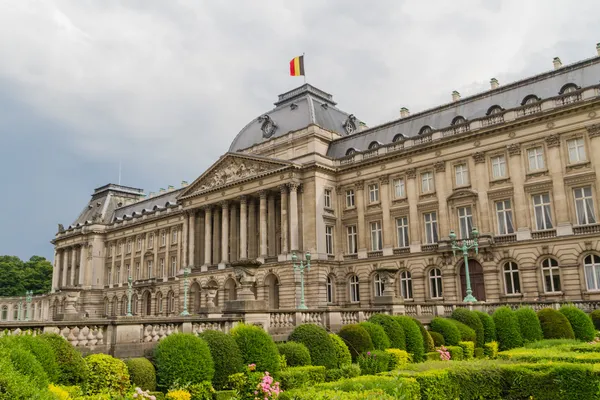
[(17, 276)]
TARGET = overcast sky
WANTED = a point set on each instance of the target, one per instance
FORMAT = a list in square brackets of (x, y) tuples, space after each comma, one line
[(165, 86)]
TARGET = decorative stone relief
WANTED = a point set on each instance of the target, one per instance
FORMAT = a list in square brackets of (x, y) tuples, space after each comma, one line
[(553, 140), (514, 149), (350, 124), (439, 166), (233, 170), (593, 130), (479, 157), (268, 126), (411, 173)]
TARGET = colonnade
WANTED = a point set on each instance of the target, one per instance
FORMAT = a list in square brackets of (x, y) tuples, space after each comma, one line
[(67, 271)]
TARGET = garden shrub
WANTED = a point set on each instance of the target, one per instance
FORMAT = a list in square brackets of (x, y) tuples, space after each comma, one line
[(17, 386), (72, 370), (225, 354), (456, 353), (399, 358), (181, 359), (507, 328), (448, 329), (296, 377), (256, 347), (296, 354), (374, 362), (479, 353), (489, 327), (529, 325), (357, 339), (107, 375), (40, 349), (436, 384), (490, 350), (345, 371), (25, 363), (320, 346), (466, 334), (378, 336), (477, 381), (438, 339), (224, 395), (342, 354), (414, 339), (315, 394), (555, 325), (470, 319), (427, 340), (433, 356), (468, 349), (178, 394), (582, 324), (595, 316), (141, 373), (200, 391), (392, 329), (399, 387)]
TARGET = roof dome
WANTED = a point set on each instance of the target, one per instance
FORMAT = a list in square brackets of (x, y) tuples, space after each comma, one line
[(294, 110)]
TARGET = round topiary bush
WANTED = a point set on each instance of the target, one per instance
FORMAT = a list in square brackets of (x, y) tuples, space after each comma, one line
[(414, 340), (448, 329), (141, 373), (555, 325), (40, 349), (24, 362), (72, 370), (507, 328), (489, 327), (16, 385), (226, 356), (378, 336), (342, 354), (357, 339), (466, 334), (106, 375), (317, 341), (438, 339), (470, 319), (183, 357), (529, 324), (427, 339), (392, 329), (595, 316), (582, 324), (296, 354)]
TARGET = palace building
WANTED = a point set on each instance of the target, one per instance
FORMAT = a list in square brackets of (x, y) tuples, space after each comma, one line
[(374, 207)]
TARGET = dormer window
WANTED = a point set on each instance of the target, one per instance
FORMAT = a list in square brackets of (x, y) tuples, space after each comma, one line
[(531, 99), (425, 130), (568, 88), (458, 120), (374, 145), (398, 137), (350, 151), (494, 110)]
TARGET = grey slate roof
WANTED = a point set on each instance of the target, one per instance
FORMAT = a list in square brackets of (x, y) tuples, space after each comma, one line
[(159, 202), (545, 85), (293, 111), (104, 201)]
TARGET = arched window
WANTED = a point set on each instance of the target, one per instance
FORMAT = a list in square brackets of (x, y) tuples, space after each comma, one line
[(124, 305), (458, 120), (494, 110), (374, 145), (159, 303), (512, 284), (591, 266), (406, 285), (230, 291), (134, 304), (531, 99), (350, 151), (106, 307), (435, 283), (330, 289), (398, 137), (195, 298), (4, 313), (272, 291), (551, 275), (379, 285), (15, 312), (114, 306), (425, 130), (170, 303), (568, 88), (354, 289)]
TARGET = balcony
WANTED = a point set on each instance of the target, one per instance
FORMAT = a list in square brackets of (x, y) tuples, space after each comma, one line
[(568, 99), (429, 247), (529, 110), (586, 229), (501, 239), (375, 254), (350, 256), (493, 120), (546, 234), (402, 250)]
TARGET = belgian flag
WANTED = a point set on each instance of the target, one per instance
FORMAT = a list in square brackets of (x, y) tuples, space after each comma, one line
[(297, 66)]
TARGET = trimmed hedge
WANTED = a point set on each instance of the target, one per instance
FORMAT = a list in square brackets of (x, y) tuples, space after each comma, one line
[(507, 328), (185, 358), (555, 325), (342, 354), (17, 386), (378, 336), (141, 373), (456, 353), (316, 339), (26, 364), (529, 325), (490, 350), (427, 339), (582, 324), (357, 339), (396, 387), (392, 329), (107, 375), (374, 362), (489, 327), (296, 377), (414, 339), (345, 371), (72, 369), (470, 319), (595, 316), (468, 349), (466, 334), (296, 354), (399, 358), (479, 352), (448, 329), (226, 356), (40, 349), (438, 339)]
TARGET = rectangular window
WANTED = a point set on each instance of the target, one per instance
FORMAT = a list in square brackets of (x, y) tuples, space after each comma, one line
[(163, 238), (427, 182), (465, 221), (149, 269), (543, 215), (373, 193), (498, 167), (128, 269), (327, 198), (121, 248), (174, 236), (352, 239), (139, 243), (329, 239), (161, 271), (129, 246), (376, 236), (431, 232), (536, 158), (118, 275), (462, 174), (576, 149), (137, 272), (110, 250), (349, 198), (399, 188), (402, 231), (151, 240), (173, 266), (584, 205), (505, 217)]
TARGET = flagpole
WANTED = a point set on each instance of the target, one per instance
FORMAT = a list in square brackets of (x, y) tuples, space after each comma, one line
[(304, 68)]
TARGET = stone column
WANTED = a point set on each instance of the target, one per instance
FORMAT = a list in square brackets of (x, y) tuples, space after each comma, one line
[(481, 187), (224, 234), (387, 223), (517, 175), (207, 236), (122, 267), (293, 211), (252, 228), (284, 219), (440, 189), (271, 234), (359, 199), (73, 265), (184, 240), (243, 228), (56, 271), (233, 233), (413, 212), (192, 242), (82, 265), (216, 241), (559, 196), (263, 223)]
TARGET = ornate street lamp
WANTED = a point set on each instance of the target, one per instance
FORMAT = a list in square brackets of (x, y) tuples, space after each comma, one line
[(465, 245), (186, 273), (129, 295), (301, 267), (28, 298), (20, 311)]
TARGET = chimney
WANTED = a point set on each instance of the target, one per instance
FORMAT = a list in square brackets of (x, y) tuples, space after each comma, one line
[(184, 183), (494, 84), (598, 48), (161, 190), (404, 112), (170, 188), (557, 63), (455, 96)]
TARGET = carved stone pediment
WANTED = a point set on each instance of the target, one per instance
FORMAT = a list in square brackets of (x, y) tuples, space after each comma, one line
[(461, 194)]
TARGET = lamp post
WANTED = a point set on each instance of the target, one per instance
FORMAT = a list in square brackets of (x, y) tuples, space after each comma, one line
[(20, 311), (186, 273), (301, 267), (465, 245), (28, 298), (129, 295)]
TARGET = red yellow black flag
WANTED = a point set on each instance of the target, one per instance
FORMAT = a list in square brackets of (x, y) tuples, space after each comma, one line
[(297, 66)]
